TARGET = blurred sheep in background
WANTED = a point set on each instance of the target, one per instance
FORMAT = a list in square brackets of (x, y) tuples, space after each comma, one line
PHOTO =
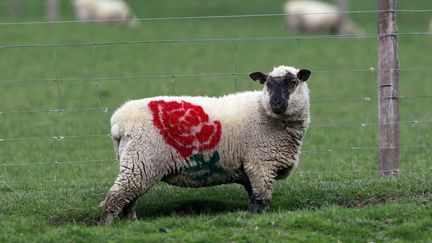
[(316, 16), (111, 11)]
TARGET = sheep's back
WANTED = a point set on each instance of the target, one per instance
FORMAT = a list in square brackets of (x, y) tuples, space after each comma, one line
[(232, 111), (311, 15)]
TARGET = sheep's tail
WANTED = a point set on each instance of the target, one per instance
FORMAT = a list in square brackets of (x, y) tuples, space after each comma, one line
[(116, 142), (116, 137)]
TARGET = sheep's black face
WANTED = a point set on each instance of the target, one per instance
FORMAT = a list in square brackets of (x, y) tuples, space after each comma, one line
[(280, 88)]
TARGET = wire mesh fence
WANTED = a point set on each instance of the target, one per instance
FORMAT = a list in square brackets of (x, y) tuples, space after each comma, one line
[(49, 157)]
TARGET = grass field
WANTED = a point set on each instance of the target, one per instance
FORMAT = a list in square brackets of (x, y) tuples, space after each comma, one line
[(56, 158)]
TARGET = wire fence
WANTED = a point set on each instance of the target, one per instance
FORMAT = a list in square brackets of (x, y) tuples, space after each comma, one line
[(164, 76), (359, 175), (108, 136), (209, 40), (104, 109), (219, 16)]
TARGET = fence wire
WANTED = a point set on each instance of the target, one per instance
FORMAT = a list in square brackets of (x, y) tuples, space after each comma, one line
[(361, 125), (359, 175), (174, 75), (217, 17), (213, 40), (110, 109)]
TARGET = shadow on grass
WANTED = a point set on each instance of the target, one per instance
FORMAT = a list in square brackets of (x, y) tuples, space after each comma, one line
[(189, 208), (90, 217), (192, 207), (195, 207)]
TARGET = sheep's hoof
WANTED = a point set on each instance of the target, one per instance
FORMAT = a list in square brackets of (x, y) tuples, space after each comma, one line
[(258, 206), (131, 216), (105, 219)]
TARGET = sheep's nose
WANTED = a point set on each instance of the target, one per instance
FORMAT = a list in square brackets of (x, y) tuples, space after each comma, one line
[(276, 101), (278, 110), (277, 105)]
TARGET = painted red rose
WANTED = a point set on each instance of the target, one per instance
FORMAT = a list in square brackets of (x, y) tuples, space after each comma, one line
[(185, 126)]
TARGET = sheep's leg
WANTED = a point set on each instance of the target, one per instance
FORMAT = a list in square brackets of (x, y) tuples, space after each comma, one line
[(134, 180), (129, 210), (259, 206), (259, 189), (253, 205), (120, 195), (256, 204)]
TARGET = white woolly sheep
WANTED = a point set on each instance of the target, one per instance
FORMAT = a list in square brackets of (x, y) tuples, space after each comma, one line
[(250, 138), (316, 16), (116, 11)]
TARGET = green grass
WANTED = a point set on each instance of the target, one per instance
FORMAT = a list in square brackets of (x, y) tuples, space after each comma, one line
[(47, 201), (304, 208)]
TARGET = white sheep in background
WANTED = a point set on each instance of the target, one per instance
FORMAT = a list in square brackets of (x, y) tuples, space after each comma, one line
[(316, 16), (112, 11), (251, 138)]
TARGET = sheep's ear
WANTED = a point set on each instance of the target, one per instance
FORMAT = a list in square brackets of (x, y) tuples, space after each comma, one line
[(303, 74), (262, 77)]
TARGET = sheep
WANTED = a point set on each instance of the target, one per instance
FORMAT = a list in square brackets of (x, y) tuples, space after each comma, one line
[(315, 16), (251, 138), (104, 11)]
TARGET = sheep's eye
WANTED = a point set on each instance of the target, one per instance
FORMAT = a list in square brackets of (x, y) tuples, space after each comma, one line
[(291, 82), (270, 83)]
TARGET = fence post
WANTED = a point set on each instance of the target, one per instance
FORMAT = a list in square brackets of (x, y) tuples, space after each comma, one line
[(15, 6), (343, 15), (388, 77), (52, 9)]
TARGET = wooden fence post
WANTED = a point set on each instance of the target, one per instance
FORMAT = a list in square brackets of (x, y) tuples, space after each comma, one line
[(52, 9), (388, 76), (343, 15)]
